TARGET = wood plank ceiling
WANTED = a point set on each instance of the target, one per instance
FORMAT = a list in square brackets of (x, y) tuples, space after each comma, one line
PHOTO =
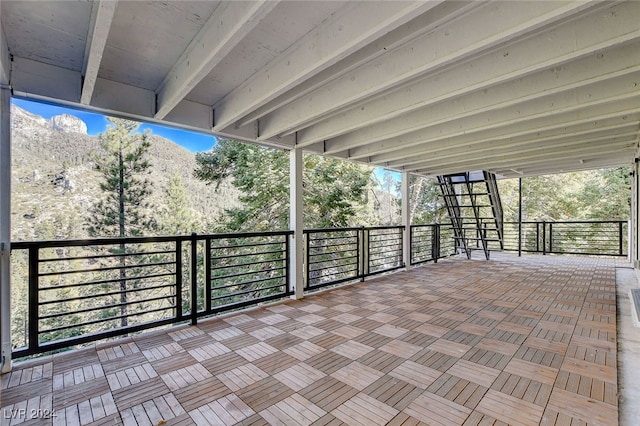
[(430, 87)]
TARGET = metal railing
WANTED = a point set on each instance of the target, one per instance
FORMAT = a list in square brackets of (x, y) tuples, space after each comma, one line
[(337, 255), (431, 242), (593, 238), (81, 291)]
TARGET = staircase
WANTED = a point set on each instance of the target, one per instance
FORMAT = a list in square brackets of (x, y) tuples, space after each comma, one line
[(475, 210)]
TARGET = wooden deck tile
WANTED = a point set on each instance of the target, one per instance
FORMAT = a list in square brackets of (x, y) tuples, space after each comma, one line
[(435, 410), (364, 410), (476, 373), (510, 409), (582, 408), (532, 371), (416, 374), (329, 393), (511, 341)]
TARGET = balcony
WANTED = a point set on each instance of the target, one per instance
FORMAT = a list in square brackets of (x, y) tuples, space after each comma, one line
[(524, 340)]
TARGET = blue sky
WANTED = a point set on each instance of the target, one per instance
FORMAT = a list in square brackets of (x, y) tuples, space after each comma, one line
[(97, 123)]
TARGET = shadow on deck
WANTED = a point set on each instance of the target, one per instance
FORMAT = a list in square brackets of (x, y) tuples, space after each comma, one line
[(525, 341)]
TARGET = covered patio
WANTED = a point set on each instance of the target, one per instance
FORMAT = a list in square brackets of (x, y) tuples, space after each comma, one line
[(425, 88), (517, 340)]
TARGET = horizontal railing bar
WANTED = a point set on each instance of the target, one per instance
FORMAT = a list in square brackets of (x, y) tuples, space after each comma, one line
[(249, 244), (331, 230), (242, 304), (258, 262), (105, 256), (317, 246), (334, 267), (100, 295), (115, 280), (246, 282), (334, 273), (99, 308), (110, 268), (339, 237), (240, 293), (223, 277), (331, 260), (140, 240), (119, 305), (234, 256), (117, 317)]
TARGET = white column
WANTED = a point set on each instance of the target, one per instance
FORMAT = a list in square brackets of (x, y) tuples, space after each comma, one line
[(295, 223), (634, 229), (406, 219), (5, 228)]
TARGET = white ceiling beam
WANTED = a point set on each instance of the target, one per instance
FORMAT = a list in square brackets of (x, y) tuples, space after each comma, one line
[(620, 160), (474, 131), (224, 30), (122, 98), (371, 123), (33, 79), (525, 153), (423, 24), (447, 46), (575, 100), (102, 16), (333, 40), (553, 163), (520, 145), (5, 57)]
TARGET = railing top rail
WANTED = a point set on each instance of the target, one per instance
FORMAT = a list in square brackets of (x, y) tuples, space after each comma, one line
[(319, 230), (566, 221), (140, 240)]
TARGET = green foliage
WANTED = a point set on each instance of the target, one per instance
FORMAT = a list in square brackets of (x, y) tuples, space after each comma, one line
[(123, 163), (591, 195), (334, 190), (177, 217)]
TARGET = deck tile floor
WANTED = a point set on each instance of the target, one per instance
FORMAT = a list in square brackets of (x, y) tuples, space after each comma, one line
[(520, 341)]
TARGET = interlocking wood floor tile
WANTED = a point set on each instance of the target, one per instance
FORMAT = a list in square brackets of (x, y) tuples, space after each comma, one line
[(364, 410), (582, 408), (509, 409), (514, 340), (436, 410), (329, 393)]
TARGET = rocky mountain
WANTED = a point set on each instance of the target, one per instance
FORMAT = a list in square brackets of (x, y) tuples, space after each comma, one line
[(54, 183), (67, 123)]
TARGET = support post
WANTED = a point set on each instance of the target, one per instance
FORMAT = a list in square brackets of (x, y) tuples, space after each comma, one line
[(295, 223), (5, 228), (406, 220), (519, 217)]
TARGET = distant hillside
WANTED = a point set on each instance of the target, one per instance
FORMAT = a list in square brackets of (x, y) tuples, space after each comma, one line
[(54, 183)]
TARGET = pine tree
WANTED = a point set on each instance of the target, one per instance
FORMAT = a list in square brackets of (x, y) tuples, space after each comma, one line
[(333, 189), (177, 217), (122, 212)]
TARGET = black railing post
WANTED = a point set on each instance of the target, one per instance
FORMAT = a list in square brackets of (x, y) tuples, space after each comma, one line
[(34, 296), (194, 278), (620, 237), (402, 263), (287, 263), (307, 255), (551, 237), (544, 238), (537, 237), (207, 275), (178, 255), (410, 245), (366, 236), (435, 239)]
